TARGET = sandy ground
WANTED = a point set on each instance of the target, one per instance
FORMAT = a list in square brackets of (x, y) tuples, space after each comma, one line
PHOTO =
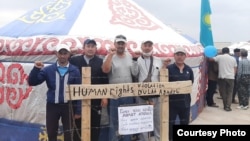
[(211, 115)]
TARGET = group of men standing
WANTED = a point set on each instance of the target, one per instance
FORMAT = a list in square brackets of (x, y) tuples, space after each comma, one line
[(118, 66), (233, 76)]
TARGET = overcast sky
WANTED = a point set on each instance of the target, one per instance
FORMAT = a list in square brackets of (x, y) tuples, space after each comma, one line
[(230, 19)]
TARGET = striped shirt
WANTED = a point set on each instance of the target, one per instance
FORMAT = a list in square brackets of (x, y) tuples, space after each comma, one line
[(244, 67)]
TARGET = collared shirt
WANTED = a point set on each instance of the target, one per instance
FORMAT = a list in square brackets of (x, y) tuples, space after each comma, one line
[(227, 65), (62, 69), (87, 59)]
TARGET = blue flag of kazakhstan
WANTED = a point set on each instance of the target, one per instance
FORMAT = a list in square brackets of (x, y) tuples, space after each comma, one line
[(206, 36)]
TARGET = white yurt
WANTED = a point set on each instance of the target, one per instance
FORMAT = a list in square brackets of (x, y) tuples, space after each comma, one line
[(34, 36)]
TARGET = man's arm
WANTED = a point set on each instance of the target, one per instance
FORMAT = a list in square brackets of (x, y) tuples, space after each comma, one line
[(165, 63), (235, 70), (107, 64), (104, 80), (211, 59), (36, 76), (78, 80)]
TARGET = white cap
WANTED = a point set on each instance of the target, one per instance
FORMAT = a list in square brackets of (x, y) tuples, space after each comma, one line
[(62, 46), (120, 38), (179, 49)]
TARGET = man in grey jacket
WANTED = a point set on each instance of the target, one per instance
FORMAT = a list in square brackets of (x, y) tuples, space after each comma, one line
[(119, 66)]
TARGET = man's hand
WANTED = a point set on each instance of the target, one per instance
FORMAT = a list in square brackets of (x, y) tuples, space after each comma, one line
[(150, 102), (166, 62), (112, 50), (104, 102), (39, 64), (137, 54), (77, 116), (73, 51)]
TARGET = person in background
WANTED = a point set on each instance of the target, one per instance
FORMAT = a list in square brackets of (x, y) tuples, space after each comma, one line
[(212, 83), (57, 76), (219, 51), (236, 56), (119, 65), (243, 80), (147, 61), (227, 69), (90, 59), (179, 105)]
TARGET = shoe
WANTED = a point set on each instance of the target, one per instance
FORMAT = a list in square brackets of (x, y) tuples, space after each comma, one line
[(245, 107), (240, 107), (213, 105), (227, 109)]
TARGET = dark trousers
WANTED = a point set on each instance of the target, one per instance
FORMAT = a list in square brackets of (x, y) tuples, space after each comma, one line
[(95, 122), (104, 133), (226, 91), (179, 106), (53, 114), (212, 85)]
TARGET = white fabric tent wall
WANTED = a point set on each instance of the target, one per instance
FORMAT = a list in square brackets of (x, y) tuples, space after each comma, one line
[(99, 19)]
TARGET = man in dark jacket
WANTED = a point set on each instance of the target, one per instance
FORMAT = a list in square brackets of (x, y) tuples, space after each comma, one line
[(212, 73), (179, 105), (57, 76), (89, 59)]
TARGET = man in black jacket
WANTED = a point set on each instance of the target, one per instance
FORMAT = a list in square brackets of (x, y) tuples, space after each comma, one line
[(180, 104), (89, 59)]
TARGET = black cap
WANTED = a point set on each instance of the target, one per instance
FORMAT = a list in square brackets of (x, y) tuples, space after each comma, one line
[(236, 50), (89, 41)]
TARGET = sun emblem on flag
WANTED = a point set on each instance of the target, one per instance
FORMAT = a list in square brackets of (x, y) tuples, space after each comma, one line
[(206, 20)]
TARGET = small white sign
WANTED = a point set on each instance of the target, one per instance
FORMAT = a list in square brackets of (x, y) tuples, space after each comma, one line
[(135, 119)]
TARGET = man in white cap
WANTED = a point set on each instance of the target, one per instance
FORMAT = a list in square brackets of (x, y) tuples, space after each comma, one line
[(57, 76), (179, 105)]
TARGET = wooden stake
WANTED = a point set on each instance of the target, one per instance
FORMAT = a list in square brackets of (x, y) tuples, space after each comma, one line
[(164, 109), (86, 107)]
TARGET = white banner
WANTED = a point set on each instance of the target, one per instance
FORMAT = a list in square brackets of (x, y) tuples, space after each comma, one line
[(135, 119)]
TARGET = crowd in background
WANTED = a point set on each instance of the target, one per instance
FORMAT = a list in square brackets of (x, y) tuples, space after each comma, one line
[(229, 73)]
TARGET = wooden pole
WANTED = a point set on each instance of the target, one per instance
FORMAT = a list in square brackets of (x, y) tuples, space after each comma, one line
[(164, 109), (86, 107)]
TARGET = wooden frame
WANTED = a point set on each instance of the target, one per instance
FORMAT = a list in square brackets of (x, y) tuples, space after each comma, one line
[(86, 91)]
